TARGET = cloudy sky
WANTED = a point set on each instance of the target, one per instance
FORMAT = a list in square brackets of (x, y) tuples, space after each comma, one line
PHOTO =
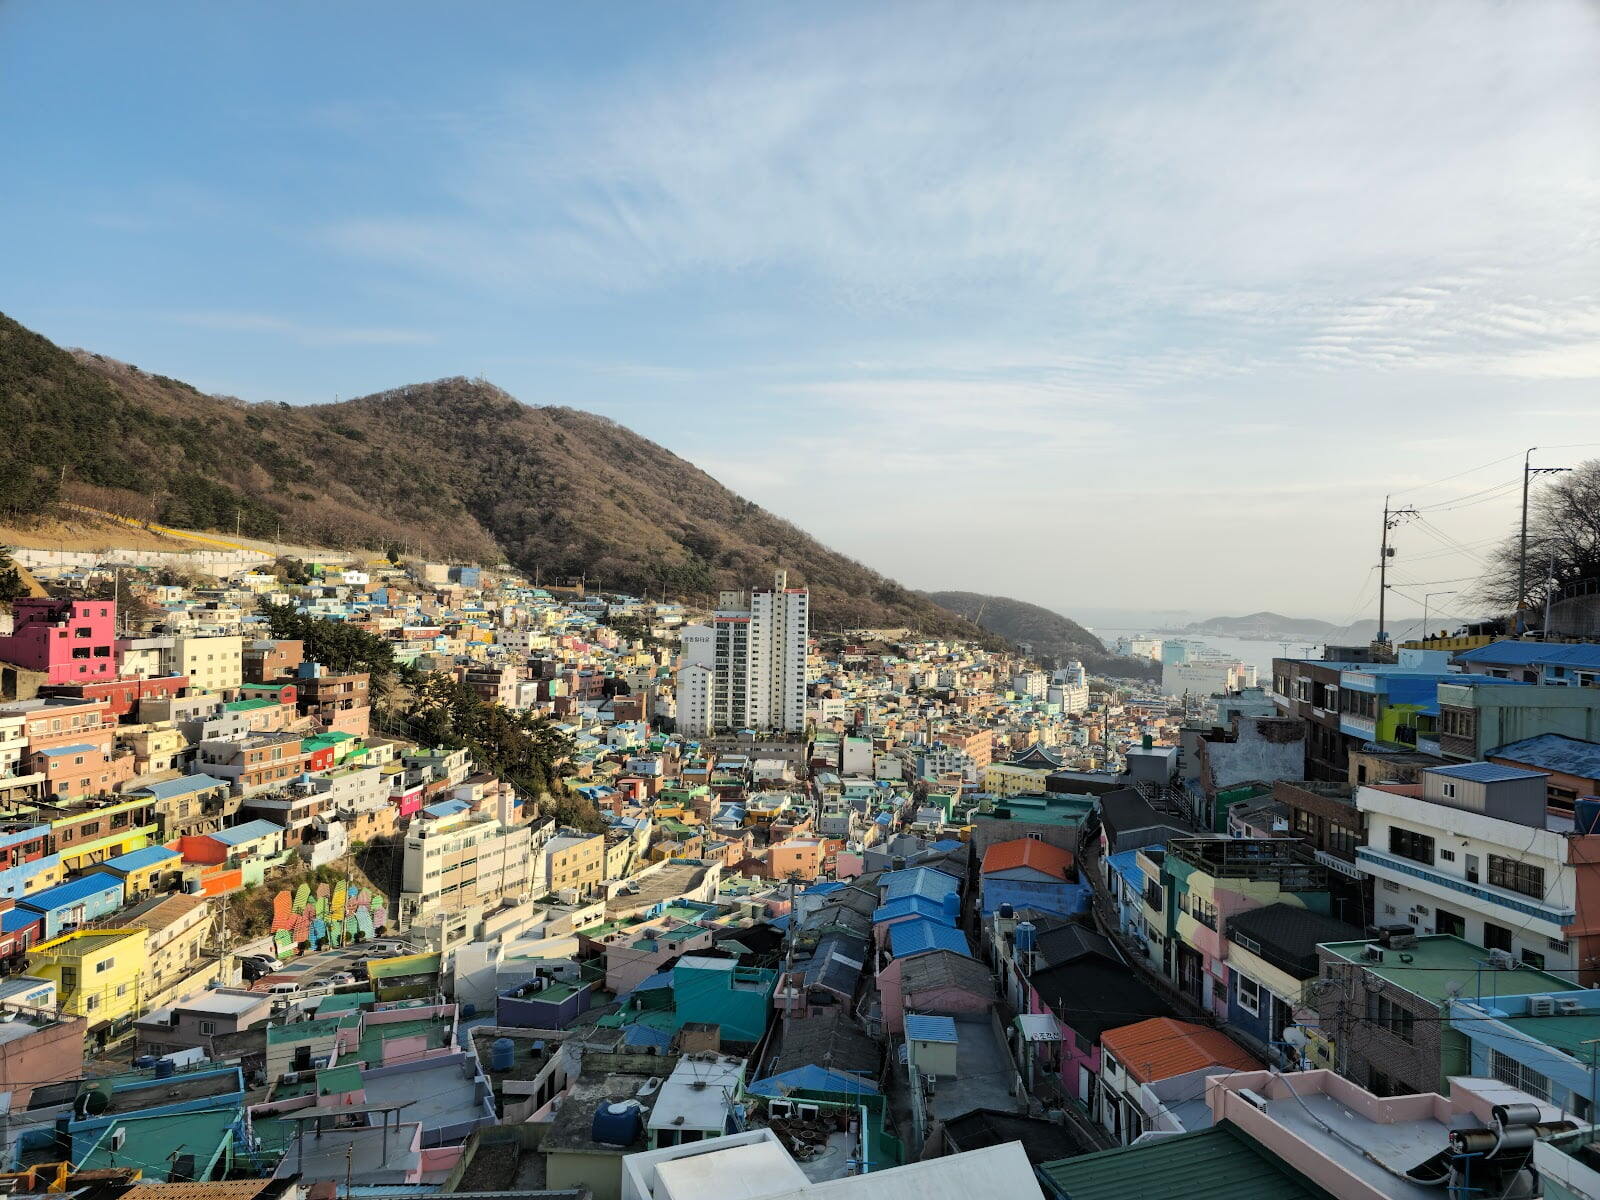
[(1099, 305)]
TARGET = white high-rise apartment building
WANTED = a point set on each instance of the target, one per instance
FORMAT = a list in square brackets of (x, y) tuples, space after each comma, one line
[(756, 651)]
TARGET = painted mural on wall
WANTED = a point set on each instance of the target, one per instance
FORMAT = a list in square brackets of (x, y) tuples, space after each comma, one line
[(329, 915)]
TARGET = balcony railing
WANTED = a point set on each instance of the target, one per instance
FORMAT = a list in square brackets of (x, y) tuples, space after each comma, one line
[(1378, 861)]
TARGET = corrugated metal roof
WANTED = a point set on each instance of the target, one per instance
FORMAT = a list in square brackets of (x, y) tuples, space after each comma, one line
[(930, 1029), (1484, 772), (1555, 752), (1161, 1047), (1219, 1163), (247, 832), (71, 892), (920, 935), (135, 860)]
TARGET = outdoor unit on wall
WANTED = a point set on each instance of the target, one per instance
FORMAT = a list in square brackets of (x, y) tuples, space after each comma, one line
[(1568, 1008), (780, 1108), (1541, 1006), (1501, 960), (1372, 952), (119, 1137)]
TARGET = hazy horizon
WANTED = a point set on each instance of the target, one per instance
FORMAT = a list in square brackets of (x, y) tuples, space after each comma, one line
[(1095, 306)]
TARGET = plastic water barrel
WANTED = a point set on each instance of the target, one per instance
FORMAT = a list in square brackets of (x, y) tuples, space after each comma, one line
[(1586, 814), (502, 1054), (164, 1068), (1007, 912), (1024, 932), (952, 907)]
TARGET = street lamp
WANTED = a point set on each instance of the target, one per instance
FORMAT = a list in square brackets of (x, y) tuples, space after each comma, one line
[(1427, 596)]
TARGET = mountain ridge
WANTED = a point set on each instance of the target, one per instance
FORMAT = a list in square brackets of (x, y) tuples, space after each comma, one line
[(1049, 634), (454, 468)]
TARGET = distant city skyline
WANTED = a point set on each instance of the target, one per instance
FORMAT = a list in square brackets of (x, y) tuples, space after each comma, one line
[(1096, 306)]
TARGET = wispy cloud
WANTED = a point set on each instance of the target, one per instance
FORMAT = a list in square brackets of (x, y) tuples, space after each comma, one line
[(306, 333)]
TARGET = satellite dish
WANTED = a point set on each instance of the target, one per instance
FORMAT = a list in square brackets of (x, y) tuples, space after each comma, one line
[(1295, 1036)]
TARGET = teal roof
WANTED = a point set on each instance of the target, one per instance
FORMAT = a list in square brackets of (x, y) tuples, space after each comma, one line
[(1219, 1163)]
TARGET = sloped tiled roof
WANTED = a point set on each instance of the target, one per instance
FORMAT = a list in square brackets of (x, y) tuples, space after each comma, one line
[(1161, 1047), (1028, 852)]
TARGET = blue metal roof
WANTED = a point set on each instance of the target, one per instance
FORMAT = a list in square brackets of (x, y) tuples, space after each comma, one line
[(1555, 752), (927, 882), (248, 832), (71, 892), (920, 935), (812, 1078), (14, 919), (910, 906), (1483, 772), (80, 748), (184, 785), (136, 860), (643, 1035), (446, 808), (930, 1029), (1527, 654)]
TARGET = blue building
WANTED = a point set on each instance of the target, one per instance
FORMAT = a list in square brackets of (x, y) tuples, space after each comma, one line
[(75, 903)]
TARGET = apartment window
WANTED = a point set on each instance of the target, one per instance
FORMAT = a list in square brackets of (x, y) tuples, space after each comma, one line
[(90, 1003), (1396, 1018), (1532, 958), (1250, 996), (1447, 856), (1406, 843), (1448, 922), (1516, 876), (1496, 937), (1471, 869), (207, 1028)]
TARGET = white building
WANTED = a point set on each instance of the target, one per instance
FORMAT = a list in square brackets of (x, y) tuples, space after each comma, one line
[(1477, 855), (462, 858), (1030, 683), (755, 1166), (758, 657), (1071, 698), (1206, 677)]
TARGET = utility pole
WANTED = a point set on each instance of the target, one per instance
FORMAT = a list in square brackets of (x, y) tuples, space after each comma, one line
[(1528, 472), (1391, 518)]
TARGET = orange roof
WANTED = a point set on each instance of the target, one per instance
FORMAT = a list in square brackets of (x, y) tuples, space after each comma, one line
[(1028, 852), (1161, 1047)]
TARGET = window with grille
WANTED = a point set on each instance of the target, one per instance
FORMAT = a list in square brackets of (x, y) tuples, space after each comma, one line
[(1508, 1070)]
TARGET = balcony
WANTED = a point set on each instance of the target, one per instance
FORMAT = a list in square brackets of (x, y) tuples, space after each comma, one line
[(1402, 870)]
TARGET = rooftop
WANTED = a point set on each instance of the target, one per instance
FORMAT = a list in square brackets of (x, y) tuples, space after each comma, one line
[(1161, 1047), (1442, 966), (1485, 772), (1219, 1163)]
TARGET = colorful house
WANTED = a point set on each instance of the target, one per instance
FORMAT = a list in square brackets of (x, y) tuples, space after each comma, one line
[(1029, 873), (97, 974), (143, 872), (75, 902), (70, 641)]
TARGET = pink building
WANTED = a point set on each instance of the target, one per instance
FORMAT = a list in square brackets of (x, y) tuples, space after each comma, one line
[(71, 641)]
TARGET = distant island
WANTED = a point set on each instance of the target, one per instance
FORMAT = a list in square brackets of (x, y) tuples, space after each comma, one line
[(1271, 626)]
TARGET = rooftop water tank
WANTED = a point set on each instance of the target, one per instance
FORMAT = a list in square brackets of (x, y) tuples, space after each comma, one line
[(1007, 912), (952, 908), (164, 1068), (617, 1123), (1024, 932), (502, 1054), (1586, 814)]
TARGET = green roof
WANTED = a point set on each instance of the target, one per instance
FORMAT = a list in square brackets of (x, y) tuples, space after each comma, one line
[(1443, 966), (153, 1142), (249, 705), (336, 1081), (1219, 1163), (1571, 1035)]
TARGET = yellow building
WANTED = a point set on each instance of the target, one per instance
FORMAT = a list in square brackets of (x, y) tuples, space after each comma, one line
[(1003, 779), (576, 862), (619, 857), (98, 973), (213, 664), (156, 748)]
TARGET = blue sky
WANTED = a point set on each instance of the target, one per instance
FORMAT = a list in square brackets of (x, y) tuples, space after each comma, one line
[(1099, 305)]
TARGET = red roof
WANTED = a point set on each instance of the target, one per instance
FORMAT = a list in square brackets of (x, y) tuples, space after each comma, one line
[(1162, 1047), (1028, 852)]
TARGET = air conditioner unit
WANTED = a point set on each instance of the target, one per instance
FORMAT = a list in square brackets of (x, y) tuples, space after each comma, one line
[(780, 1108), (1420, 909), (1254, 1099), (119, 1137), (1501, 960), (1568, 1008), (289, 1077), (806, 1112), (1541, 1006), (1372, 952)]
